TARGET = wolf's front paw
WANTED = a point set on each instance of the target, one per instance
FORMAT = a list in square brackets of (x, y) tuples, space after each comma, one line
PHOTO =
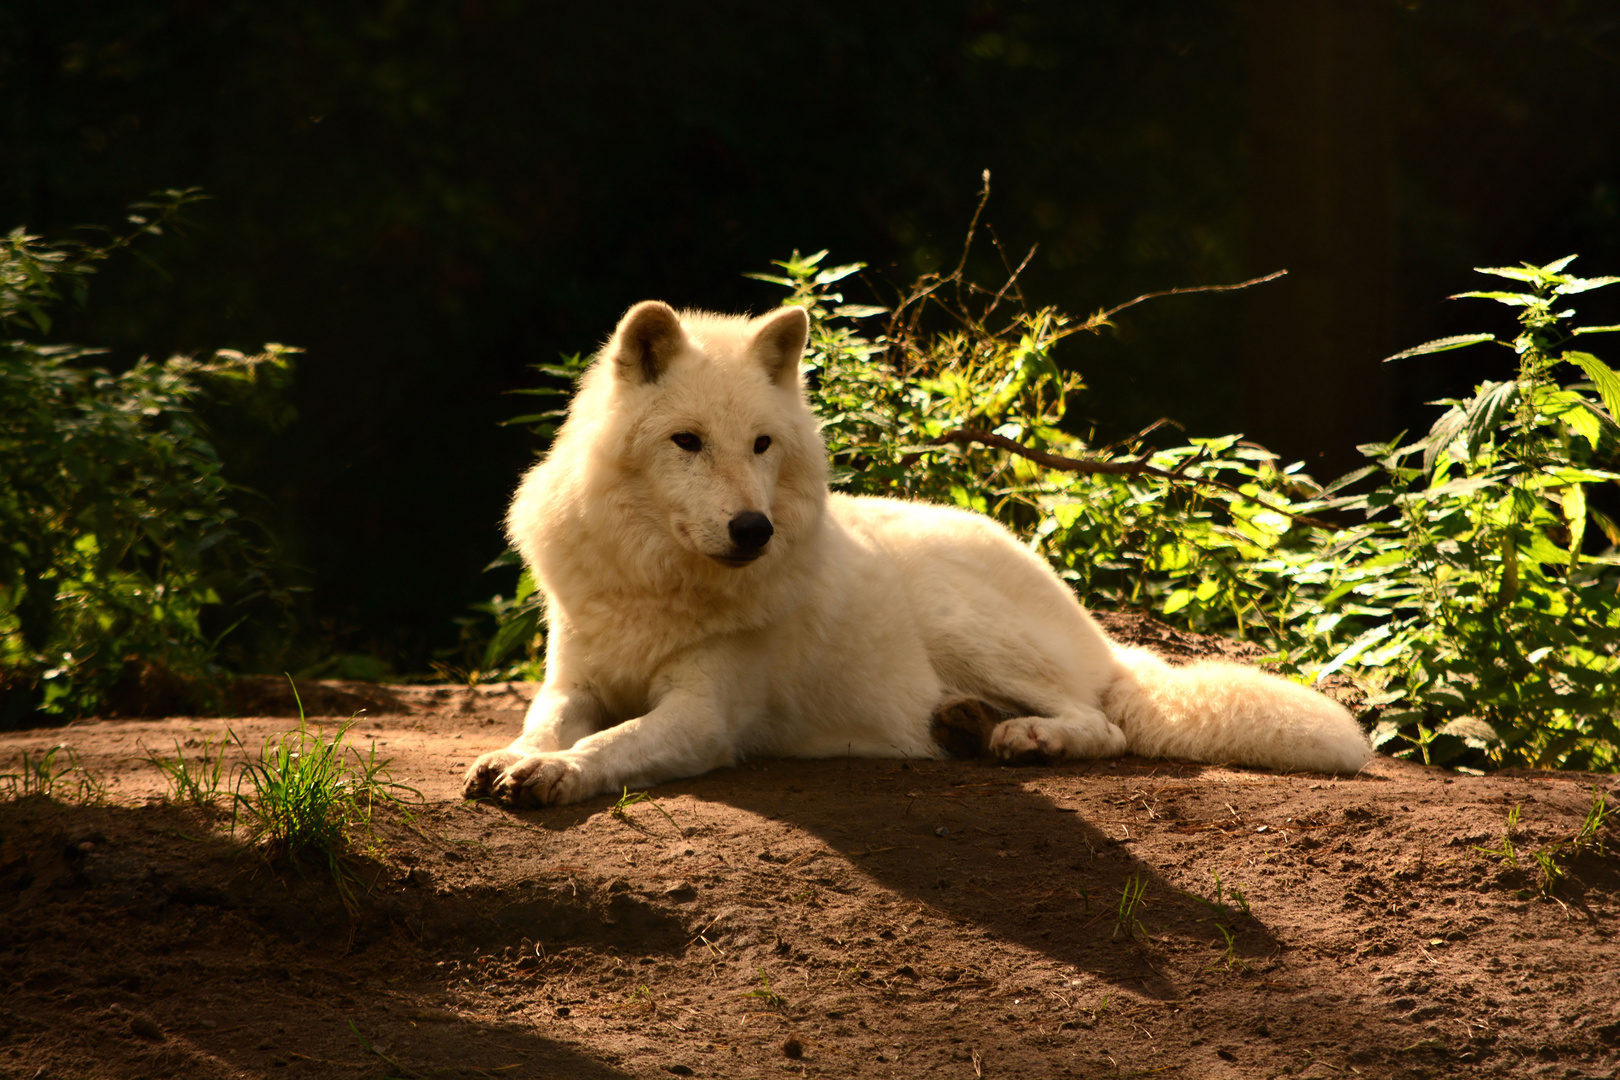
[(521, 779), (527, 780), (480, 780)]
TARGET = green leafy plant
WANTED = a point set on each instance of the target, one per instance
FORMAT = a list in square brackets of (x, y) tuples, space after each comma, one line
[(976, 415), (1471, 601), (117, 530), (308, 797), (504, 637)]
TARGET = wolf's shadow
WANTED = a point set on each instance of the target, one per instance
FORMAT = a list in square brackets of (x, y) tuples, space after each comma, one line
[(970, 841)]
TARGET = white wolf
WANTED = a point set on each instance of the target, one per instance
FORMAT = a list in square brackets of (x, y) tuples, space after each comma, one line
[(709, 599)]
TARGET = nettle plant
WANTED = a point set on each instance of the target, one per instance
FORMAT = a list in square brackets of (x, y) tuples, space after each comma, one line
[(1480, 598)]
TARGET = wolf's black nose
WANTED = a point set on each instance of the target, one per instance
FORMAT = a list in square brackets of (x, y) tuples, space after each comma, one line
[(751, 530)]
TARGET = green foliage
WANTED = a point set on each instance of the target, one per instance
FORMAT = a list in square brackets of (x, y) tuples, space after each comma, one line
[(504, 638), (1176, 542), (116, 526)]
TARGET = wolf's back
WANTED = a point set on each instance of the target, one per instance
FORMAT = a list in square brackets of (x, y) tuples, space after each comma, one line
[(1227, 713)]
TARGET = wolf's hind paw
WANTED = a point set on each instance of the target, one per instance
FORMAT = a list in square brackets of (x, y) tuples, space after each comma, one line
[(1024, 742), (1038, 739)]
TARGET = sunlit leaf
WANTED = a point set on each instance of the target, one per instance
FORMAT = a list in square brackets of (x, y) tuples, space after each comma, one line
[(1484, 413), (1444, 344), (1580, 285), (1602, 376), (1508, 298)]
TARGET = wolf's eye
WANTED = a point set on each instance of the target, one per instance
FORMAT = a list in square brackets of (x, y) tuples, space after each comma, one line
[(762, 444), (687, 441)]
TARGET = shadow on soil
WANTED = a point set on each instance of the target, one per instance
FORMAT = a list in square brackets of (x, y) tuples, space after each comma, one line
[(208, 962)]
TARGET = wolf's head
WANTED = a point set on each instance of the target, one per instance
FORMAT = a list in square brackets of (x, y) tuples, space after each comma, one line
[(706, 432)]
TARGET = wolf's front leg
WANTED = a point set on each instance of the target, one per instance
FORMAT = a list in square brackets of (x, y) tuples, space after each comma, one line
[(683, 735), (559, 717)]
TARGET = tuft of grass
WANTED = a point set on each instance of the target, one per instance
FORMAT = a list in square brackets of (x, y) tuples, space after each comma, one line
[(197, 783), (1506, 851), (307, 797), (1597, 815), (1228, 901), (621, 809), (1587, 836), (1126, 923), (641, 999), (1551, 871), (1230, 958), (42, 774), (1547, 859), (765, 993)]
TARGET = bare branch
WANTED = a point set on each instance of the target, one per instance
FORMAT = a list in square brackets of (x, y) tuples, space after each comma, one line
[(1012, 278), (1139, 467), (1102, 317), (967, 245)]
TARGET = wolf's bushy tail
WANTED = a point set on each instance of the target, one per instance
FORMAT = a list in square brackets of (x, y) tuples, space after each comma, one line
[(1228, 713)]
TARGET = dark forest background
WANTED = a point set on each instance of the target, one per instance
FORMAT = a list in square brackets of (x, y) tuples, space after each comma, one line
[(429, 197)]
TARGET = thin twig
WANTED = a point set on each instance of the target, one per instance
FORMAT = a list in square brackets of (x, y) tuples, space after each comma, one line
[(1102, 317), (1138, 467), (1012, 277), (1140, 435), (973, 224)]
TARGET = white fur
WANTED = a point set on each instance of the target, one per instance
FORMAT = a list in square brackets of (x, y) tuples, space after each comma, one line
[(668, 655)]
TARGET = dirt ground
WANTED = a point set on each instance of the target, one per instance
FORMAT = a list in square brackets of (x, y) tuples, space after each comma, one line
[(953, 919)]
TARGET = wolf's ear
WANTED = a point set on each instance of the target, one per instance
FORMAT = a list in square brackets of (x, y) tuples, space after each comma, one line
[(647, 339), (779, 342)]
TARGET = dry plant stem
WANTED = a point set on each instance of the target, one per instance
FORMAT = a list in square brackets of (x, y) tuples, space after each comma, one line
[(1012, 276), (1102, 317), (1139, 467)]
